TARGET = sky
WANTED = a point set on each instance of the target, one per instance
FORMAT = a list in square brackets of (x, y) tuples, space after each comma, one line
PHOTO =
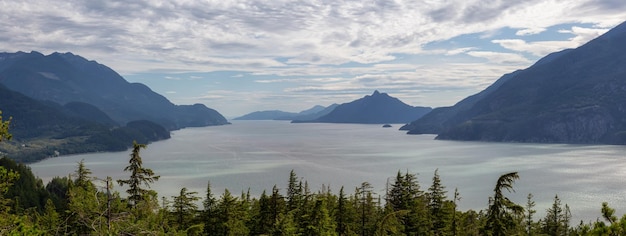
[(242, 56)]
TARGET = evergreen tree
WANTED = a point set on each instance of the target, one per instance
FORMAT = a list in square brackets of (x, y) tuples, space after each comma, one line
[(138, 176), (4, 128), (83, 175), (209, 212), (321, 222), (502, 212), (277, 206), (57, 190), (294, 192), (85, 211), (27, 189), (231, 217), (50, 220), (184, 208), (454, 212), (554, 222), (530, 204), (263, 220), (405, 194), (342, 217), (437, 198)]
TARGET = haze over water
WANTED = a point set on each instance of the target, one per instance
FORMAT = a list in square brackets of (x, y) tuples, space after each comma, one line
[(260, 154)]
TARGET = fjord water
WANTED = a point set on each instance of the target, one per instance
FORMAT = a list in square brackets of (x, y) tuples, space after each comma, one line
[(259, 154)]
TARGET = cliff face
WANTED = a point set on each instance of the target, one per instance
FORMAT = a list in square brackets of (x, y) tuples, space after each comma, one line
[(574, 96)]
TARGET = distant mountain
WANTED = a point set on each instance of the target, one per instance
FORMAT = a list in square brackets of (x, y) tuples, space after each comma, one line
[(312, 116), (43, 129), (64, 78), (308, 114), (573, 96), (378, 108), (267, 115)]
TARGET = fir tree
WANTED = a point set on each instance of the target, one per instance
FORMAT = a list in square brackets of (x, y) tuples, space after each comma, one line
[(139, 176)]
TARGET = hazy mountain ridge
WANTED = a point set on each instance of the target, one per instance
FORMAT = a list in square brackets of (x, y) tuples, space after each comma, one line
[(65, 77), (378, 108), (267, 115), (573, 96), (308, 114)]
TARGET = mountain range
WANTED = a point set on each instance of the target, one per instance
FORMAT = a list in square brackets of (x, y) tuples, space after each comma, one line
[(65, 104), (64, 77), (378, 108), (309, 114), (573, 96)]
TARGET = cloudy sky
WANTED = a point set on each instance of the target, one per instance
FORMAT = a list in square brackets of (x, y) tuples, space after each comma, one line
[(241, 56)]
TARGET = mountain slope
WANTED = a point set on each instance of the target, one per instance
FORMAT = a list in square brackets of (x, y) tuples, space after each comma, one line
[(378, 108), (65, 78), (43, 129), (574, 96)]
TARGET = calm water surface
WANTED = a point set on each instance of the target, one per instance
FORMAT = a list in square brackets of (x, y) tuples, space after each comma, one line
[(260, 154)]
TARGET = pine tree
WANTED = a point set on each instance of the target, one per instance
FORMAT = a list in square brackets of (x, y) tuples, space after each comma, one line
[(138, 176)]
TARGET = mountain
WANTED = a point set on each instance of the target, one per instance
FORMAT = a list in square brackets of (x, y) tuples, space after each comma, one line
[(42, 129), (378, 108), (308, 114), (267, 115), (573, 96), (64, 78), (439, 118), (312, 116)]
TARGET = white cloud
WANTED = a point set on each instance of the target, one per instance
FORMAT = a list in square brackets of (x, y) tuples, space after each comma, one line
[(309, 41), (530, 31), (459, 51), (543, 48)]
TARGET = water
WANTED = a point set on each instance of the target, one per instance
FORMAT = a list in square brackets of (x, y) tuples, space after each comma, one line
[(260, 154)]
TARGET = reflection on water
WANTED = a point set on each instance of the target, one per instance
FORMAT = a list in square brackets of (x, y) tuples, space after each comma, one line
[(260, 154)]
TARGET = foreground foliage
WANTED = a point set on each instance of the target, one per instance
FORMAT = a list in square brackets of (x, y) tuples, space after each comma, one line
[(81, 205)]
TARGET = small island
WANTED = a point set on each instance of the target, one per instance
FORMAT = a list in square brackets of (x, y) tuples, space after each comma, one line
[(387, 126)]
